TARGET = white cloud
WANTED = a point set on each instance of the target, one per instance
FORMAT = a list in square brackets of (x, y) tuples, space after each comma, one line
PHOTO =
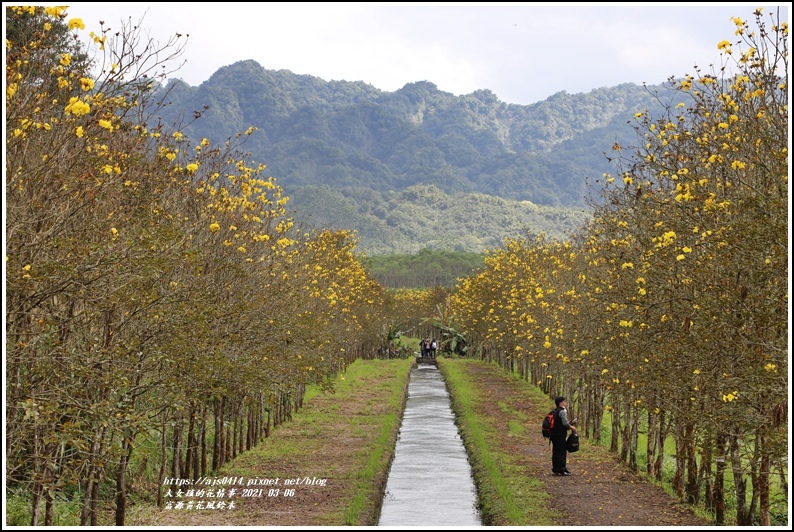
[(522, 52)]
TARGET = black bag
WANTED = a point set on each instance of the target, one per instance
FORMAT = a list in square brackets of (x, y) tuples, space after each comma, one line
[(572, 443)]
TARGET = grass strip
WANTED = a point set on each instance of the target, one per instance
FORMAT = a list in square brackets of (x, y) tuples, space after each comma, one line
[(507, 494)]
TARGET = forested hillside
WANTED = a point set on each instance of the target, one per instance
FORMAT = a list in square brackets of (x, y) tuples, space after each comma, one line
[(346, 152), (426, 269)]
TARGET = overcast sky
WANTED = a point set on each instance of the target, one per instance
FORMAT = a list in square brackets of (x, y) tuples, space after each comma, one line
[(523, 52)]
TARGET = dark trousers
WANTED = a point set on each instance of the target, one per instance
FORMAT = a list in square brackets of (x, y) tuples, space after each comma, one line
[(559, 453)]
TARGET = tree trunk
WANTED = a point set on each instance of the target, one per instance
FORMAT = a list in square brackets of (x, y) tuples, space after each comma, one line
[(190, 443), (240, 436), (95, 503), (763, 481), (634, 437), (625, 440), (704, 478), (197, 445), (613, 444), (692, 492), (163, 459), (662, 436), (48, 506), (781, 471), (85, 511), (739, 482), (121, 479), (204, 442), (216, 440), (680, 462), (35, 503), (650, 442), (89, 505), (598, 412), (176, 461)]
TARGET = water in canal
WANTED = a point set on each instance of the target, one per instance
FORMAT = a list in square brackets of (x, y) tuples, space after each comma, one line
[(430, 482)]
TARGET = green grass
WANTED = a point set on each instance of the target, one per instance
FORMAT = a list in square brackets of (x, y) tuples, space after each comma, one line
[(381, 382), (66, 509), (506, 495), (377, 458)]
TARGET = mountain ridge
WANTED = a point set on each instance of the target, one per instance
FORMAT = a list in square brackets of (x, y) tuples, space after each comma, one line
[(352, 138)]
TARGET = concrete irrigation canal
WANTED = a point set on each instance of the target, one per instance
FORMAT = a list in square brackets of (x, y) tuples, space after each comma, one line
[(430, 481)]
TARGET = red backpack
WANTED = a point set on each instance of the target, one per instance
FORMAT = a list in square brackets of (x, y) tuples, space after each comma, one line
[(548, 424)]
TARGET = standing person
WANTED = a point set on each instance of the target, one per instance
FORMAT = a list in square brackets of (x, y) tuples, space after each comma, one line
[(433, 347), (422, 347), (559, 433)]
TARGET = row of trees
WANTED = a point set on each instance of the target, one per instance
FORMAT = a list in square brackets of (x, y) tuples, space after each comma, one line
[(157, 294), (670, 310)]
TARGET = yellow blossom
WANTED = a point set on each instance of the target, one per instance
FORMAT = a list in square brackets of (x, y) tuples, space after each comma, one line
[(76, 23), (53, 11), (728, 397), (77, 107), (86, 84), (79, 131), (107, 124)]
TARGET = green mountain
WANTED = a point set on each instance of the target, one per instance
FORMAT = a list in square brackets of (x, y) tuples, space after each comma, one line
[(418, 167)]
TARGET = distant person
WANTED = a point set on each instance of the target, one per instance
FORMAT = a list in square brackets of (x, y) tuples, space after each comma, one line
[(559, 452), (433, 347), (422, 347), (427, 346)]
